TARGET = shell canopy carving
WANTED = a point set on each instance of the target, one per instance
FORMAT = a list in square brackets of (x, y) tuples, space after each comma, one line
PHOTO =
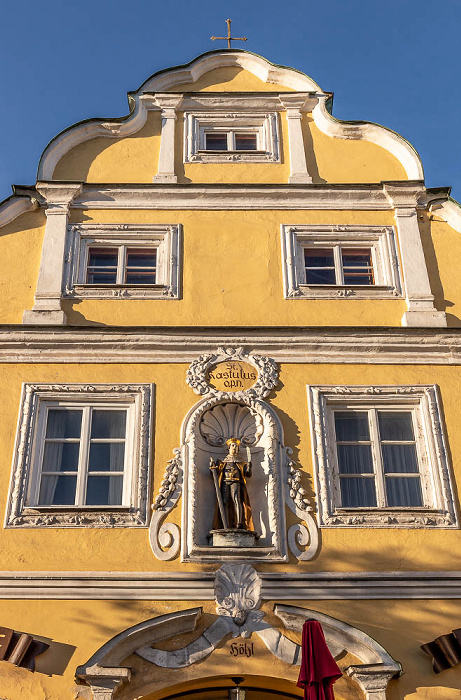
[(227, 420)]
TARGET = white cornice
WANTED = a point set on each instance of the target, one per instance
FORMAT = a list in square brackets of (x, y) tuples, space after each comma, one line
[(233, 197), (305, 346), (102, 585)]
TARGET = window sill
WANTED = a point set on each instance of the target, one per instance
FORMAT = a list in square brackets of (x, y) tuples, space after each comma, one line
[(120, 291), (339, 291), (404, 517)]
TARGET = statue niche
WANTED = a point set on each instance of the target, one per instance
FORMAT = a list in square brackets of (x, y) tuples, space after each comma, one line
[(228, 441)]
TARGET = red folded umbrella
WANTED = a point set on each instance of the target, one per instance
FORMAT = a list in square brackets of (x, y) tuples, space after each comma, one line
[(319, 670)]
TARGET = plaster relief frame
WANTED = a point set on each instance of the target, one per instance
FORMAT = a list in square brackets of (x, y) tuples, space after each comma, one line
[(25, 466), (264, 124), (381, 241), (164, 238), (438, 511)]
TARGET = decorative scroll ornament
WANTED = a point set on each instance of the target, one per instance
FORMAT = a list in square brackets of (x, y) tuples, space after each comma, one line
[(165, 538), (267, 373), (299, 535)]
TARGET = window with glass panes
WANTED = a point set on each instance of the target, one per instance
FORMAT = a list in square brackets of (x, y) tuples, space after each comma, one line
[(231, 141), (84, 455), (377, 459), (338, 265), (121, 265)]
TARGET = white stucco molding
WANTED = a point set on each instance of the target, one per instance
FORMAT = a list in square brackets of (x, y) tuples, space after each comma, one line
[(48, 294), (103, 672), (16, 205), (238, 587), (405, 153), (449, 211), (168, 104), (421, 310), (143, 99)]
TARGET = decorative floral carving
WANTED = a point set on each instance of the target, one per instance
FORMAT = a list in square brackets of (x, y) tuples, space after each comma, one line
[(300, 535), (267, 372), (238, 594)]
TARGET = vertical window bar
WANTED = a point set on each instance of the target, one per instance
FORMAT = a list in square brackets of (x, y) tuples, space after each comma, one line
[(121, 264), (230, 141), (338, 265), (84, 457), (377, 459)]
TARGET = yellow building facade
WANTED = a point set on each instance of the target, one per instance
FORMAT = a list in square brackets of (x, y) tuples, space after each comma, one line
[(229, 261)]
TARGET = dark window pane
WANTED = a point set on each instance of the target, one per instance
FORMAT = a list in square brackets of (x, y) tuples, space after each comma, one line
[(102, 277), (395, 425), (357, 258), (355, 459), (103, 257), (319, 257), (245, 142), (357, 493), (354, 278), (140, 278), (63, 424), (403, 491), (216, 142), (351, 426), (320, 276), (106, 456), (61, 457), (141, 258), (400, 459), (57, 491), (108, 424), (104, 491)]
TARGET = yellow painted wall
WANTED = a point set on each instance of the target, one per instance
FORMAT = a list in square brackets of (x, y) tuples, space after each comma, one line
[(126, 160), (135, 158), (442, 247), (20, 251), (334, 160), (230, 79), (128, 549), (233, 275), (77, 629)]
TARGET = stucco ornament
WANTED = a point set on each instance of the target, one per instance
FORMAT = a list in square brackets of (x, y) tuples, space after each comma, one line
[(197, 374), (165, 538), (238, 595)]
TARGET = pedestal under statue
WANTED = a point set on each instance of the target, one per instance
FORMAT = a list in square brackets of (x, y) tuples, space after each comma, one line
[(232, 523)]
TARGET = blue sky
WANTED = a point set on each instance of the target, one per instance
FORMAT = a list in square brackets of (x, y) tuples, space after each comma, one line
[(395, 62)]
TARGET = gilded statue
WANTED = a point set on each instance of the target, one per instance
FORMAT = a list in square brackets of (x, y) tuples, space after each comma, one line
[(233, 509)]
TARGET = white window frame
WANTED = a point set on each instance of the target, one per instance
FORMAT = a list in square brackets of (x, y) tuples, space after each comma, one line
[(265, 125), (165, 239), (37, 400), (379, 239), (436, 485)]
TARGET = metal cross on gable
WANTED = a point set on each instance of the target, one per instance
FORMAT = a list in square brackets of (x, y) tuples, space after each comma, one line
[(229, 38)]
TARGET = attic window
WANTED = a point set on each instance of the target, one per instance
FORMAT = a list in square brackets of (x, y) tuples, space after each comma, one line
[(220, 138)]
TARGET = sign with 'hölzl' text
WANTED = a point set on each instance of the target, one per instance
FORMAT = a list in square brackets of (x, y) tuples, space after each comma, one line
[(232, 376)]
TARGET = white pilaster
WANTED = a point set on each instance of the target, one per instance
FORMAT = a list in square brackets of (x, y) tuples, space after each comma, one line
[(298, 165), (168, 103), (48, 295), (421, 311)]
